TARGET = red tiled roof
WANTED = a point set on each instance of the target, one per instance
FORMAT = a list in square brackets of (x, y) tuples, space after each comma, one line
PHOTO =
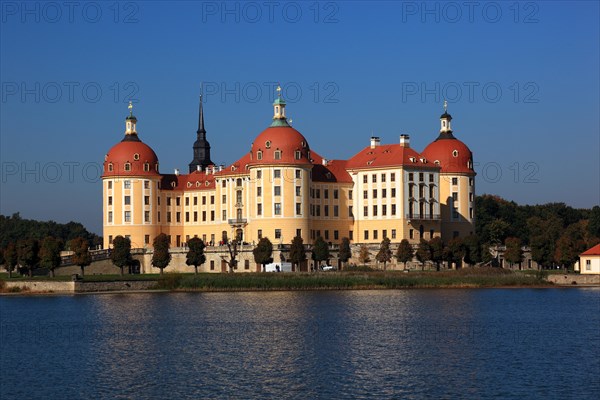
[(237, 168), (197, 180), (285, 139), (388, 155), (594, 251), (126, 152), (442, 150), (334, 171)]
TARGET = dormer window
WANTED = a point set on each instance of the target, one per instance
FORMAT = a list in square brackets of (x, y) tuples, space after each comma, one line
[(259, 155), (156, 167), (278, 154), (136, 156), (297, 154), (206, 183), (127, 167), (189, 184), (268, 144), (110, 166), (197, 183), (146, 167), (455, 153), (412, 159)]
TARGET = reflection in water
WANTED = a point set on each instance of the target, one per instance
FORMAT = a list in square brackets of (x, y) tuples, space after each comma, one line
[(346, 344)]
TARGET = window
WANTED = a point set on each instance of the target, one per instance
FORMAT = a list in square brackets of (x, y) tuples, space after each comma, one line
[(431, 192), (238, 196), (258, 191), (454, 181), (169, 216), (278, 154), (411, 234), (374, 211), (351, 235), (147, 239), (298, 191), (178, 217), (259, 209), (382, 177), (187, 201), (187, 216), (212, 199), (298, 208), (110, 167), (383, 193), (277, 190), (110, 239), (212, 265), (110, 217), (336, 235), (384, 233), (384, 210), (146, 184), (335, 193), (127, 200), (365, 211), (224, 199), (259, 156), (318, 210), (158, 200), (365, 179), (146, 216), (349, 194), (471, 212), (277, 208), (588, 265), (110, 184), (246, 264), (454, 196), (393, 209), (110, 200), (127, 167), (298, 172), (393, 177), (203, 216), (411, 177), (471, 181), (431, 178), (421, 177), (126, 184), (393, 234), (299, 232), (127, 216), (277, 173), (260, 234), (147, 200), (374, 193), (212, 215), (471, 196), (195, 216), (455, 153), (146, 168), (325, 193), (431, 233), (203, 200), (336, 211), (326, 211), (374, 178), (318, 193), (178, 201), (223, 183), (224, 215), (259, 174), (326, 235), (168, 201), (366, 235), (277, 233), (365, 194)]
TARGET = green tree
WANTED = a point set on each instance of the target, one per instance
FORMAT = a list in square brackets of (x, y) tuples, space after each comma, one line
[(263, 252), (195, 255), (50, 253), (454, 252), (514, 252), (11, 258), (486, 255), (405, 252), (320, 251), (423, 253), (472, 249), (345, 252), (232, 247), (297, 252), (81, 254), (364, 256), (437, 251), (2, 259), (28, 251), (384, 255), (570, 244), (594, 222), (498, 230), (121, 253), (161, 256), (543, 234)]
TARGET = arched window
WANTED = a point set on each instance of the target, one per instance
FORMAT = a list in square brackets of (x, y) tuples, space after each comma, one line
[(110, 166), (259, 155), (127, 167), (146, 167), (278, 154)]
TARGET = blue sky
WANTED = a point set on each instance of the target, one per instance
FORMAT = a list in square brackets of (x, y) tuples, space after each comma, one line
[(521, 80)]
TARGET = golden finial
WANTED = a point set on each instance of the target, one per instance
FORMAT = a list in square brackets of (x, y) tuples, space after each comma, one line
[(278, 91), (130, 108)]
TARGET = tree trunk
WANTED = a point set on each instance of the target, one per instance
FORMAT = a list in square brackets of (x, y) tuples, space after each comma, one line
[(52, 272), (161, 271), (196, 269), (82, 271), (9, 272), (121, 271), (30, 272)]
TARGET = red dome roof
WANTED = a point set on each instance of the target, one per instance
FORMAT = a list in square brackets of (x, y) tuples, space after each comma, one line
[(283, 139), (130, 158), (453, 155)]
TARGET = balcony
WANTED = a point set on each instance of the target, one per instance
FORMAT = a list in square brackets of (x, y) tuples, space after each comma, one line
[(237, 221), (423, 217)]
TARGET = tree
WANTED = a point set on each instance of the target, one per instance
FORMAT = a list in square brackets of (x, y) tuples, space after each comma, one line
[(543, 234), (423, 253), (297, 252), (50, 253), (11, 258), (571, 243), (594, 222), (384, 254), (363, 256), (195, 255), (263, 252), (405, 252), (498, 230), (320, 250), (28, 251), (437, 251), (514, 252), (345, 252), (121, 252), (81, 254), (472, 249), (233, 252), (454, 252), (161, 256)]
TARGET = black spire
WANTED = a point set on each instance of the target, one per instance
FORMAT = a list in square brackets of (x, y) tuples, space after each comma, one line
[(201, 145)]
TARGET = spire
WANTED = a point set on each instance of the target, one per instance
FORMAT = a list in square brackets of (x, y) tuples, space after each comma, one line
[(130, 122), (201, 146), (201, 131), (445, 126), (279, 118)]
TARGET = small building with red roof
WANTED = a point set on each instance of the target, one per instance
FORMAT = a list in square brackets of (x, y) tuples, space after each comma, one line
[(589, 261)]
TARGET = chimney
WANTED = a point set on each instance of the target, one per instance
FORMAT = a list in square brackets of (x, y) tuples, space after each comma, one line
[(176, 172), (374, 141), (405, 140), (324, 162)]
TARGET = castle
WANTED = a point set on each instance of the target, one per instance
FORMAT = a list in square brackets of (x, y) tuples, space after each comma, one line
[(282, 188)]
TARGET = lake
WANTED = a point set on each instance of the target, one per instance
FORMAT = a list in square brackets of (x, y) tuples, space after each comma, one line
[(438, 343)]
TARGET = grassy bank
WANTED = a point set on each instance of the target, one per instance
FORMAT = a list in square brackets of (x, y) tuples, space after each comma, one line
[(476, 277)]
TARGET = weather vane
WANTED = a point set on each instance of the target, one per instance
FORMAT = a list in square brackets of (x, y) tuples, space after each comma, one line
[(130, 108), (278, 91), (445, 105)]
